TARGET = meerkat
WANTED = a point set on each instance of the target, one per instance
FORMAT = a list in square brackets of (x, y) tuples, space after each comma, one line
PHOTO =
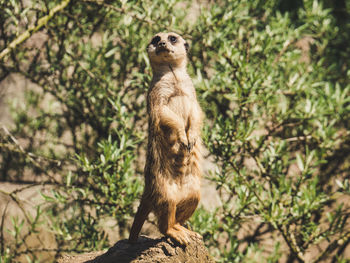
[(172, 170)]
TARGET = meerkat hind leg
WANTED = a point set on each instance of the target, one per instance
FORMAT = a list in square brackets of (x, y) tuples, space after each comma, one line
[(189, 232), (184, 211), (140, 217), (179, 234), (168, 227)]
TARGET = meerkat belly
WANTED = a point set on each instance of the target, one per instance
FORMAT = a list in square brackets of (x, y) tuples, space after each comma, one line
[(179, 191), (181, 105)]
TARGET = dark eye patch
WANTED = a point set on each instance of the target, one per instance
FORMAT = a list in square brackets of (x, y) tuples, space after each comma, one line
[(155, 40), (172, 39)]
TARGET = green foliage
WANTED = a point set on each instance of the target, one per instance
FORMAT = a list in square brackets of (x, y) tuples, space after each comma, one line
[(278, 124), (272, 77)]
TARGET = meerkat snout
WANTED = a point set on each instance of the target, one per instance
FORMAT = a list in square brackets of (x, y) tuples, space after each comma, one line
[(161, 44), (161, 47)]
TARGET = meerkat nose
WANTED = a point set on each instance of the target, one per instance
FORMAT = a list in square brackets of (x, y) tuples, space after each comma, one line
[(161, 44)]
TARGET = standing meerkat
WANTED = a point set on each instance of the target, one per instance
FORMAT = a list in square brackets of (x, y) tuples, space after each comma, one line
[(172, 170)]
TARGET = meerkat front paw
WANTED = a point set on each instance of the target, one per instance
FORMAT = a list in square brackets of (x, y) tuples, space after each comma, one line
[(191, 141), (191, 144), (183, 141), (180, 145)]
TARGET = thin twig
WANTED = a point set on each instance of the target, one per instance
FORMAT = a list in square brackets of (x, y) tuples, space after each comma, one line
[(332, 246), (124, 11), (284, 49), (30, 155), (32, 29), (2, 229), (291, 242), (121, 10)]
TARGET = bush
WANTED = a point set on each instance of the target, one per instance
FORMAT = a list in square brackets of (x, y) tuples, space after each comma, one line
[(273, 79), (280, 133)]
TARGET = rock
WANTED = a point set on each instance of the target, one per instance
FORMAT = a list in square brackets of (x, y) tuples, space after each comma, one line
[(146, 250)]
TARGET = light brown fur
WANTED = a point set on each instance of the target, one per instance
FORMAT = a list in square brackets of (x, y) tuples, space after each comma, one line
[(172, 171)]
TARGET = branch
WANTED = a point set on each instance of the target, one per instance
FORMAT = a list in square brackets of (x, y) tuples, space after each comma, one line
[(122, 10), (32, 29), (2, 247), (32, 157), (332, 246), (289, 238)]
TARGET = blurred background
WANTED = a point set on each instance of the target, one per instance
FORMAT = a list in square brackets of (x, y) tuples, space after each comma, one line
[(272, 77)]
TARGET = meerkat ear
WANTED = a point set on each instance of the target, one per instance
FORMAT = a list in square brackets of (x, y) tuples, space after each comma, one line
[(187, 47)]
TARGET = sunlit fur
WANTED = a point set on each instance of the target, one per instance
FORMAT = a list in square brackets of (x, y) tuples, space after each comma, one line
[(172, 171)]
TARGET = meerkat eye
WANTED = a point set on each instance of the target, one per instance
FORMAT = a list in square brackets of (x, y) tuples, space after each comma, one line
[(172, 39), (155, 40)]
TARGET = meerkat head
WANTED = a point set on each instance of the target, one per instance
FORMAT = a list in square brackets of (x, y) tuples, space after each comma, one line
[(167, 49)]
